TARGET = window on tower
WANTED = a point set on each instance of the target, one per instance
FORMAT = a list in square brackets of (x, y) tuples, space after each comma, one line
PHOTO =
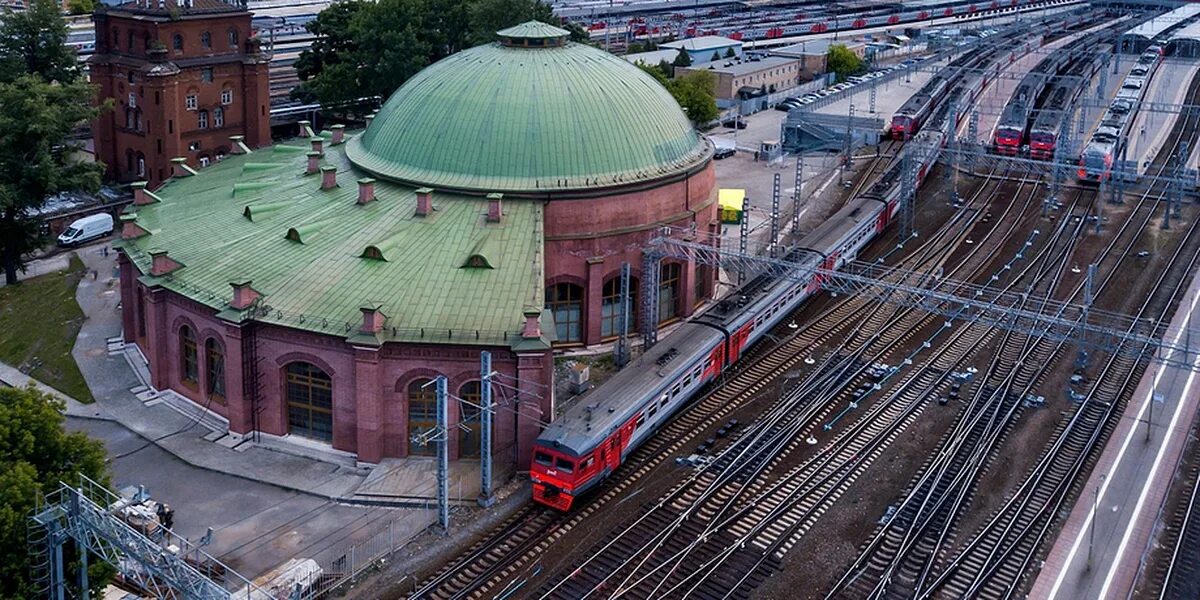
[(191, 102), (218, 117), (233, 38), (206, 74), (202, 119), (206, 40), (227, 96), (177, 42)]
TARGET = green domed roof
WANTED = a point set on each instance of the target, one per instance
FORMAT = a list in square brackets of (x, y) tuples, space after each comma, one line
[(532, 113)]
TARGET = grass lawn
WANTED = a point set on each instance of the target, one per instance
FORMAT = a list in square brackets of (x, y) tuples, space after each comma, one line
[(39, 320)]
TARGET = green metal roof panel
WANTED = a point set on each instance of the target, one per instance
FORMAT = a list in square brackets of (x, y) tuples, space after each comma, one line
[(519, 119), (319, 282), (533, 30)]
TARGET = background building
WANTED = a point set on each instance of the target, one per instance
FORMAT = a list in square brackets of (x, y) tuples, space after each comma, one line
[(184, 75), (311, 290), (701, 49), (741, 79)]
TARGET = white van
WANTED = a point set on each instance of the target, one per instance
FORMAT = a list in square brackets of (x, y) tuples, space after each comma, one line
[(86, 230)]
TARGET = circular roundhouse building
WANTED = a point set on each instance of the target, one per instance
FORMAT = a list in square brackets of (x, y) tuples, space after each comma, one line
[(311, 290)]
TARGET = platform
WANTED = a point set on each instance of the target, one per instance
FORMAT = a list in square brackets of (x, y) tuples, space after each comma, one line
[(414, 479), (1132, 478), (890, 95), (1150, 128)]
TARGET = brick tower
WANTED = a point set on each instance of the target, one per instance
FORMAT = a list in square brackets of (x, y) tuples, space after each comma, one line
[(184, 75)]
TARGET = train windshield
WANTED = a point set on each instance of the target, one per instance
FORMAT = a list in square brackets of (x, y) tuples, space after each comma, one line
[(543, 459), (564, 465), (1010, 137), (901, 123), (1042, 138)]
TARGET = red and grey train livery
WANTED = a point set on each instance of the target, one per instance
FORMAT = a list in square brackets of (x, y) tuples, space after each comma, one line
[(586, 444), (1043, 135), (912, 115), (583, 446), (1107, 142), (1012, 130)]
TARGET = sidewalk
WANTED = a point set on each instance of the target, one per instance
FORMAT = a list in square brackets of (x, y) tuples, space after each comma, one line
[(123, 396)]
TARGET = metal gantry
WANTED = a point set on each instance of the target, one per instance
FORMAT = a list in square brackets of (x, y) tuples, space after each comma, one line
[(168, 565), (486, 415), (774, 215), (621, 352), (957, 300), (649, 293), (440, 435)]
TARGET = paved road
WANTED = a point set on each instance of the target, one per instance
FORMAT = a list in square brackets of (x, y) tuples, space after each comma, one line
[(1112, 522), (257, 526)]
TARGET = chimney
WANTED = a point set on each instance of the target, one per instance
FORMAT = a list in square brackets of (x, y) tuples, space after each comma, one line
[(533, 328), (339, 134), (373, 318), (161, 264), (180, 168), (318, 144), (328, 177), (235, 144), (139, 194), (130, 230), (244, 296), (424, 201), (493, 214), (306, 129), (366, 190), (314, 163)]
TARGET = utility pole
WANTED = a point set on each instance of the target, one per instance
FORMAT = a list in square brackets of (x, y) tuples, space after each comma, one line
[(622, 353), (796, 196), (774, 216), (485, 438), (443, 455)]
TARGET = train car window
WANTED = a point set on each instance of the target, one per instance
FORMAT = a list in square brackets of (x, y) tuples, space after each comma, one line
[(543, 459), (641, 421), (653, 409), (698, 370), (674, 392), (565, 465)]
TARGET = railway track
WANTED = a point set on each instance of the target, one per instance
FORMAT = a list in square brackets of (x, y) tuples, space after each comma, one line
[(745, 510), (533, 529)]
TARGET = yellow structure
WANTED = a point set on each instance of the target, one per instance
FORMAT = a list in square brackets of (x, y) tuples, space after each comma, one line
[(732, 204)]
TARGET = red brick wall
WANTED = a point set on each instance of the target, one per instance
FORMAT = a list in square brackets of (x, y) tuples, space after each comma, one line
[(168, 128), (588, 239), (369, 386)]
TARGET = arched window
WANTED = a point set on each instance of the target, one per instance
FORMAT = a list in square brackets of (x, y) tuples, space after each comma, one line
[(214, 367), (189, 358), (565, 300), (218, 117), (233, 38), (129, 118), (141, 165), (206, 39), (422, 416), (137, 119), (610, 307), (668, 291), (470, 432), (177, 42), (309, 401)]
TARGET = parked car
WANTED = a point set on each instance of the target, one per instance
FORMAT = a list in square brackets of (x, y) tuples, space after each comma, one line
[(86, 229), (737, 122), (725, 152)]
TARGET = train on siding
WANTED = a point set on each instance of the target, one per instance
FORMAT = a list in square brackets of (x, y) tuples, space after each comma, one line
[(912, 115), (586, 444), (1109, 140), (1050, 119), (1012, 129)]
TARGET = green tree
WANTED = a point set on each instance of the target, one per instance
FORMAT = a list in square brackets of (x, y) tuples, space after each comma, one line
[(35, 42), (371, 48), (81, 7), (694, 93), (842, 61), (729, 53), (36, 453), (682, 59), (666, 68), (715, 57), (42, 101)]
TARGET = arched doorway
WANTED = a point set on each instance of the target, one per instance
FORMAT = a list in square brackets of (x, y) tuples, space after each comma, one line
[(470, 424), (422, 416), (309, 402), (565, 301)]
